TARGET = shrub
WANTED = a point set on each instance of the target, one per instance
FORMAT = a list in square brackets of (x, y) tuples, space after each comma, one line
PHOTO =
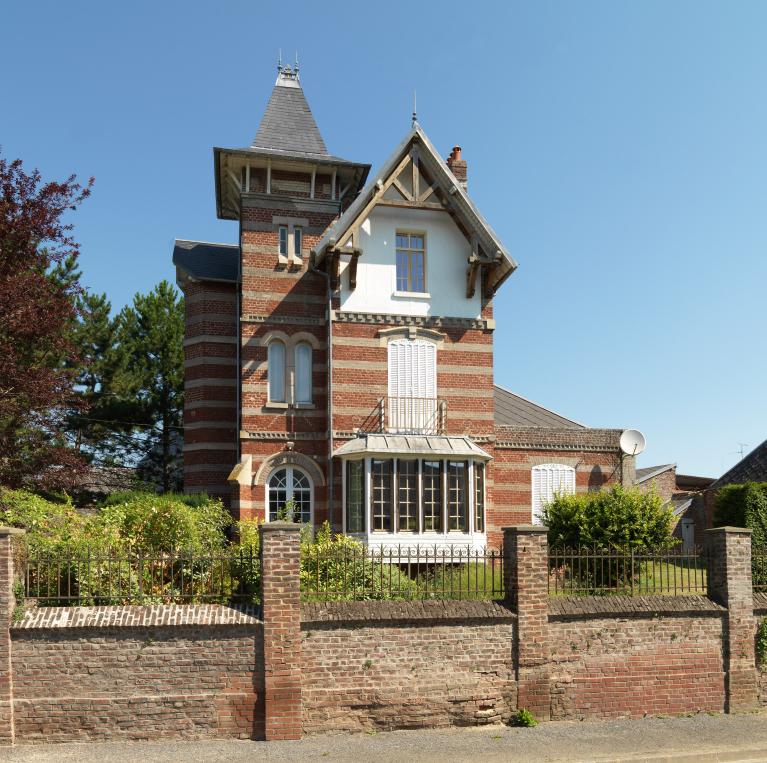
[(523, 717), (744, 506), (615, 518)]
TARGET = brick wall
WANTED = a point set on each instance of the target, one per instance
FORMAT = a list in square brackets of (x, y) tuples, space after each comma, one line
[(84, 674)]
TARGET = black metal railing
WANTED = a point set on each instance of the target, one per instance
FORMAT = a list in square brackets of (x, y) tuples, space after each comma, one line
[(401, 572), (668, 572), (84, 579)]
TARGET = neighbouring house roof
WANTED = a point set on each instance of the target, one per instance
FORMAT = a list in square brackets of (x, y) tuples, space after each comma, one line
[(751, 468), (648, 472), (422, 445), (513, 410), (205, 261), (463, 207), (680, 505)]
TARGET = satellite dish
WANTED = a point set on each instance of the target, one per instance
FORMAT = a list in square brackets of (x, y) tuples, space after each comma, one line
[(632, 442)]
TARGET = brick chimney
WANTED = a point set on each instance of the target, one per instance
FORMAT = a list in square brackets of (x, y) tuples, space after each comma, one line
[(458, 167)]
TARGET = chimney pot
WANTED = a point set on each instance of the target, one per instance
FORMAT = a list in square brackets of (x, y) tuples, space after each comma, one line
[(458, 166)]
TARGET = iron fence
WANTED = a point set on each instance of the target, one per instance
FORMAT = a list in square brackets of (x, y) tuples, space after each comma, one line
[(584, 572), (401, 572), (88, 579)]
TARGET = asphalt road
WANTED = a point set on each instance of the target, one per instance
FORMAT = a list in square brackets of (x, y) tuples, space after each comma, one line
[(695, 739)]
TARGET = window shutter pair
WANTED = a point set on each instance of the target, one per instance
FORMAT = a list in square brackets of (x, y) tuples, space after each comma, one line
[(549, 481), (412, 369), (276, 371)]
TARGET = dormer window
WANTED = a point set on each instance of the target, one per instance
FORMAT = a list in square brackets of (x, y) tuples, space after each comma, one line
[(411, 262)]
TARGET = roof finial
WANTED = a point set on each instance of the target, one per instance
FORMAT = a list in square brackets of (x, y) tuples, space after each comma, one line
[(279, 61), (415, 114), (295, 68)]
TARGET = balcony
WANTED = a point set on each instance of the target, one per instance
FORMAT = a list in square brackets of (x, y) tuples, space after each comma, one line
[(408, 415)]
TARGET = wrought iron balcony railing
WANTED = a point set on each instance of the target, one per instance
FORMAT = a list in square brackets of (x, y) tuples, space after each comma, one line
[(408, 415)]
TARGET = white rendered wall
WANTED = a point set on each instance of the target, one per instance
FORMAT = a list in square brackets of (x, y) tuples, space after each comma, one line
[(447, 251)]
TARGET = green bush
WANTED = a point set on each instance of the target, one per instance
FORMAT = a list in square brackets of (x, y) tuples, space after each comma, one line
[(744, 506), (523, 717), (616, 518)]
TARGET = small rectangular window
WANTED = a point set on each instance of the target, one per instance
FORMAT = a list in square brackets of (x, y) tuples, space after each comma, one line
[(297, 241), (432, 496), (276, 371), (355, 496), (479, 497), (456, 496), (407, 495), (283, 232), (411, 262), (381, 503)]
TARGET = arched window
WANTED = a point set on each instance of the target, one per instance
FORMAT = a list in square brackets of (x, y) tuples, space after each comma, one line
[(303, 364), (549, 481), (276, 371), (289, 483)]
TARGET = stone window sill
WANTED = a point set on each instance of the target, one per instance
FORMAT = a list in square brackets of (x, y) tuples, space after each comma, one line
[(412, 295), (276, 406)]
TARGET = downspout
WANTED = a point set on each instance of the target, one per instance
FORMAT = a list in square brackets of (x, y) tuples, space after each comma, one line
[(313, 267), (237, 445)]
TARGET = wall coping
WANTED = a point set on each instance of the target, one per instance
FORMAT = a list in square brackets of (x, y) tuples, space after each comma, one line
[(154, 615), (629, 606), (729, 529), (527, 529), (344, 613)]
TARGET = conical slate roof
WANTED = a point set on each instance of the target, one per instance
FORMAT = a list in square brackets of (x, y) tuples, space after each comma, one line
[(288, 126)]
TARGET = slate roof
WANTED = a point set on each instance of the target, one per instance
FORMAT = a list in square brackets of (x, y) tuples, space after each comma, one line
[(512, 410), (752, 468), (204, 261), (648, 472), (288, 125)]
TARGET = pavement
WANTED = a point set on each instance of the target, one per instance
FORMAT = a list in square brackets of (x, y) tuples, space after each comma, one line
[(695, 739)]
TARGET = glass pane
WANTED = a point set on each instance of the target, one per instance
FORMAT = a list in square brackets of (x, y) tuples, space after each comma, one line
[(303, 499), (432, 496), (297, 242), (355, 496), (402, 271), (479, 498), (416, 242), (283, 240), (402, 241), (416, 272), (303, 373), (456, 495), (382, 494), (407, 495), (276, 372)]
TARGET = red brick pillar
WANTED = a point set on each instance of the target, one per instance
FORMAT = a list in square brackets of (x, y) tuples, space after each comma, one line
[(281, 604), (729, 583), (7, 605), (526, 570)]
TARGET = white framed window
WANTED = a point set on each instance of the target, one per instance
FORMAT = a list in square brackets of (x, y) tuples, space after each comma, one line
[(549, 481), (276, 371), (297, 241), (283, 240), (413, 386), (289, 483), (411, 262), (303, 371)]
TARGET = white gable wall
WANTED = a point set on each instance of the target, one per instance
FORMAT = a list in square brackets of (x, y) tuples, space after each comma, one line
[(447, 252)]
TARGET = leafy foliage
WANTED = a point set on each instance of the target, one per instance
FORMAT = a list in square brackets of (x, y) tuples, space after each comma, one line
[(615, 518), (523, 717), (761, 643), (744, 506), (38, 286)]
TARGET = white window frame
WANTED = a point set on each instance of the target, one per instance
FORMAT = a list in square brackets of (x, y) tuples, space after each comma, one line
[(298, 242), (270, 364), (563, 474), (290, 468), (296, 367), (280, 230)]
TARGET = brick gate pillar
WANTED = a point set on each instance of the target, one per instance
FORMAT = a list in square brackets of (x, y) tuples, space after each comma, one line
[(7, 605), (281, 605), (729, 583), (525, 549)]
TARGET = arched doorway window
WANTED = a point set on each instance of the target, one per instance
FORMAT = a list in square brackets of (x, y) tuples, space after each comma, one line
[(285, 484)]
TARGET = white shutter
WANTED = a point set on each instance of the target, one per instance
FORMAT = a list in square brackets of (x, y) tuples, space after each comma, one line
[(276, 371), (303, 373), (548, 481)]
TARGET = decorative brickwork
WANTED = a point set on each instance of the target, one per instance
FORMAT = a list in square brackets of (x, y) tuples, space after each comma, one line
[(281, 602)]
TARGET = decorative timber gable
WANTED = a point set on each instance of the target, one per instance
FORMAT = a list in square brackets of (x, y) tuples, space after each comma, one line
[(416, 177)]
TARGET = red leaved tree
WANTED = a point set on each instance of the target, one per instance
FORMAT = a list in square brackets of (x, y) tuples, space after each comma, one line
[(36, 310)]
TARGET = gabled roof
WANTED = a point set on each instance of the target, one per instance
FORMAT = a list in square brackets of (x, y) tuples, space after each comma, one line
[(288, 125), (751, 468), (460, 202), (649, 472), (204, 261), (513, 410)]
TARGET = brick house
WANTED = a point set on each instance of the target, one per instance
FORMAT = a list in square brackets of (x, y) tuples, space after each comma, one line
[(341, 354)]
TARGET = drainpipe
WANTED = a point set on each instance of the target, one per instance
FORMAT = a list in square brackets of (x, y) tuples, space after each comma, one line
[(238, 287), (326, 276)]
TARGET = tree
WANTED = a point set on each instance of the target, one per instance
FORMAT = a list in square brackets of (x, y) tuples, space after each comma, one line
[(38, 284), (150, 343)]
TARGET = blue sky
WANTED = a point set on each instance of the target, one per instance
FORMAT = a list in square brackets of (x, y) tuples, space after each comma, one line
[(619, 149)]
